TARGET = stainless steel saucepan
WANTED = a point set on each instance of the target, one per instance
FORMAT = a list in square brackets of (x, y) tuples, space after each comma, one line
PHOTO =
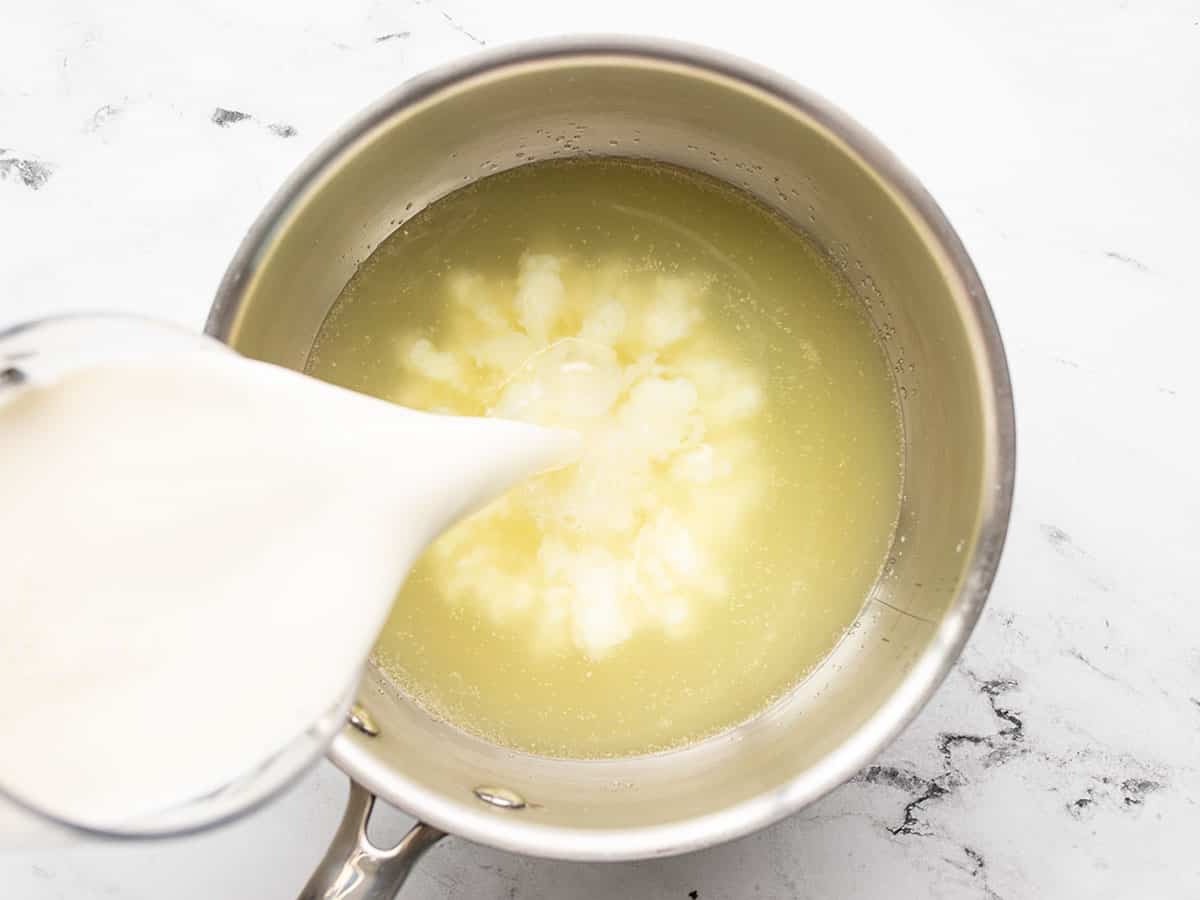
[(740, 123)]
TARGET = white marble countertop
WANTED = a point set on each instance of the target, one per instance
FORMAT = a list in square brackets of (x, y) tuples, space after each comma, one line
[(1062, 757)]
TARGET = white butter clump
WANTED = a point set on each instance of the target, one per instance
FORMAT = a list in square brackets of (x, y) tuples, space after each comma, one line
[(637, 535), (539, 294), (423, 358), (672, 313)]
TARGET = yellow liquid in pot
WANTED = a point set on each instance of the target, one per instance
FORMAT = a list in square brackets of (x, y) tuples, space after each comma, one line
[(742, 467)]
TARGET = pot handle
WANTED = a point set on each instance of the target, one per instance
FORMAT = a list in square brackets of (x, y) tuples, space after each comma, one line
[(354, 868)]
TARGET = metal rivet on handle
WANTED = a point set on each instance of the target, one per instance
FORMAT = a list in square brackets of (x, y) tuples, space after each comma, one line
[(361, 719), (501, 797)]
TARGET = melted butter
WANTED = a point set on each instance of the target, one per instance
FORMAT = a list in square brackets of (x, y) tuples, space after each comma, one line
[(741, 474)]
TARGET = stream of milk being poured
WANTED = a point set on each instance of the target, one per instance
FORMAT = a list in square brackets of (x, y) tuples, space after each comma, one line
[(198, 553)]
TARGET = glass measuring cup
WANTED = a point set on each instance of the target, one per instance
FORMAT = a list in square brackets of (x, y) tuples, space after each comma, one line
[(41, 352)]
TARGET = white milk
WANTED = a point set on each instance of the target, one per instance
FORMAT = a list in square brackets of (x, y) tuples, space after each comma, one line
[(197, 552)]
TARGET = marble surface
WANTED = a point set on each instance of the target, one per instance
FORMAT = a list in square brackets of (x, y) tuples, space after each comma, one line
[(1061, 757)]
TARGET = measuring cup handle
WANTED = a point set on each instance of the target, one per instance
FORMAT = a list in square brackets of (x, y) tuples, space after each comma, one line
[(354, 868)]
